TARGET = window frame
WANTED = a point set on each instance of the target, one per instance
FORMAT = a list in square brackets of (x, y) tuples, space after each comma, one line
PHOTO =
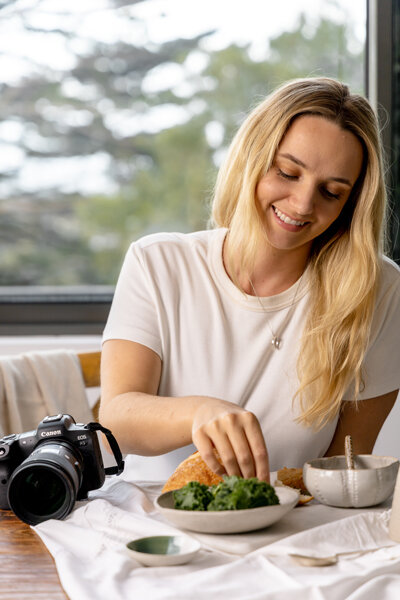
[(84, 310), (53, 310), (379, 64)]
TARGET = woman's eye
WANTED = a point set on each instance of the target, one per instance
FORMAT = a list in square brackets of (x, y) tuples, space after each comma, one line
[(286, 175), (329, 194)]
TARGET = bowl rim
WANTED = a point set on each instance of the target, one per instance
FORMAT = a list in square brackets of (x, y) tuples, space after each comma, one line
[(309, 465), (194, 544)]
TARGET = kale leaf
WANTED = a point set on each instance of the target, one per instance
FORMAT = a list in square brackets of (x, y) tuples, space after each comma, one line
[(193, 496), (233, 493)]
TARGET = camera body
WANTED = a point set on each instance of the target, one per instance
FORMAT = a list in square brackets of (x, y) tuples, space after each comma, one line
[(57, 436)]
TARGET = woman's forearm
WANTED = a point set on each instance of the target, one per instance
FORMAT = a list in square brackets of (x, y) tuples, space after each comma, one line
[(149, 425)]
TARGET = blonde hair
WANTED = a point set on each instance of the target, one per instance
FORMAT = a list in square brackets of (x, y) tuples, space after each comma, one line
[(344, 263)]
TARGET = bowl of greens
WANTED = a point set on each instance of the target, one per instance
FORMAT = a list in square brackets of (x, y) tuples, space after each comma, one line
[(235, 505)]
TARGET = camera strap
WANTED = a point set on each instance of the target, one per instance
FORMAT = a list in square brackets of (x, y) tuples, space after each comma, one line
[(117, 470)]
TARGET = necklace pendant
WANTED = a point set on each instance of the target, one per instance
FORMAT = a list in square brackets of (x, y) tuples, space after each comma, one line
[(276, 342)]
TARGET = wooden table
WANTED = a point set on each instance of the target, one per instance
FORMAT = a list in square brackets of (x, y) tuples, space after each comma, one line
[(27, 570)]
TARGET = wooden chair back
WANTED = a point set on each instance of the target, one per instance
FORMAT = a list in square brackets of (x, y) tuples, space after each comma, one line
[(90, 365)]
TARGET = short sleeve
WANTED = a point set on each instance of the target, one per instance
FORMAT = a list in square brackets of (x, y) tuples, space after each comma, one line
[(381, 365), (133, 314)]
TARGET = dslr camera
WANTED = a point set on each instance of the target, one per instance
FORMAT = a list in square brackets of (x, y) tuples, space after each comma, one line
[(43, 472)]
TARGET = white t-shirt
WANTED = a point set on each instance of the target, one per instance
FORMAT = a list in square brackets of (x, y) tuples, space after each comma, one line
[(174, 296)]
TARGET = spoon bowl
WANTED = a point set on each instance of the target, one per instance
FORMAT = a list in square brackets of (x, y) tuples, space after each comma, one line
[(314, 561)]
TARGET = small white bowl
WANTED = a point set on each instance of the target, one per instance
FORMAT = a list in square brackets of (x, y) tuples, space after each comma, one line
[(370, 482), (163, 550)]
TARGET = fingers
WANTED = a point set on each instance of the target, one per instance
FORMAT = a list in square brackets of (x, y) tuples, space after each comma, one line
[(206, 449), (236, 459), (258, 450), (234, 449), (262, 464), (238, 439), (249, 446)]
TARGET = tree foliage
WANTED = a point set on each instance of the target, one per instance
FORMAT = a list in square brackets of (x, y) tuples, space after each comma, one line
[(151, 175)]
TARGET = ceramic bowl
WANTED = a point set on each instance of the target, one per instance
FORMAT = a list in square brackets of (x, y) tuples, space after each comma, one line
[(163, 550), (228, 521), (370, 482)]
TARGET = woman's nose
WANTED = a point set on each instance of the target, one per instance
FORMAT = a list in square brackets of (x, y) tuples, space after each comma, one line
[(303, 200)]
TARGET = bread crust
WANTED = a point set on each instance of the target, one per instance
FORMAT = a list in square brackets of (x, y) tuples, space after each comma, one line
[(193, 468), (293, 477)]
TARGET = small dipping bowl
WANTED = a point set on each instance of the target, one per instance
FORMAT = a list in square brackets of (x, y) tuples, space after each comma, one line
[(163, 550), (370, 482)]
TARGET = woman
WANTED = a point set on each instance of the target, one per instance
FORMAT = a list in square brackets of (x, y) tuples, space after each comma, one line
[(257, 338)]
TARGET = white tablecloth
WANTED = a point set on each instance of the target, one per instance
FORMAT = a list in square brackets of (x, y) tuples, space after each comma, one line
[(89, 551)]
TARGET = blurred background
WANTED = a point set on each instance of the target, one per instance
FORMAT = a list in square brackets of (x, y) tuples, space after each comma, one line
[(115, 115)]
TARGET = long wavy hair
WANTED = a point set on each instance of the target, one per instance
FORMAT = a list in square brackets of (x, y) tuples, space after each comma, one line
[(344, 263)]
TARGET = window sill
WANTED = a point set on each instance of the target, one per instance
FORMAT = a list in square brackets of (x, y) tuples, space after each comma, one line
[(52, 310)]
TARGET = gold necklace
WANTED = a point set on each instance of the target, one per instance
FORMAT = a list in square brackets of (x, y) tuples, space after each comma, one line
[(276, 339)]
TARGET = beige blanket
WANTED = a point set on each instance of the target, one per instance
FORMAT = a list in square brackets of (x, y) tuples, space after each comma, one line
[(37, 384)]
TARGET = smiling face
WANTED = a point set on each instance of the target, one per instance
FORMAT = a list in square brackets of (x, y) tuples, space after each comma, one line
[(311, 178)]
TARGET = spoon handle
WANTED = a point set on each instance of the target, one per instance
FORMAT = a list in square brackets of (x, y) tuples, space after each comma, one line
[(325, 561), (348, 450)]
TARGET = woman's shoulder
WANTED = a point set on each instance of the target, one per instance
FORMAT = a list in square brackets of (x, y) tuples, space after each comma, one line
[(388, 293), (176, 242), (390, 271), (172, 256)]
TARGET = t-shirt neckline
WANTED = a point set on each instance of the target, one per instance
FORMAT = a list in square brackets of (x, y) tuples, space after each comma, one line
[(269, 303)]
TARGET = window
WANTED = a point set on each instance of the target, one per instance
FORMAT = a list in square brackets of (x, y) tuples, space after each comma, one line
[(395, 131), (115, 115), (383, 56)]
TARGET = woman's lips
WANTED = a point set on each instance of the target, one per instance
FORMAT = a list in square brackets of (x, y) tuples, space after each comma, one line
[(287, 222)]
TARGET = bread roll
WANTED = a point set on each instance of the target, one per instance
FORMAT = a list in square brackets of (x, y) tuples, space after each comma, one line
[(193, 468), (293, 478)]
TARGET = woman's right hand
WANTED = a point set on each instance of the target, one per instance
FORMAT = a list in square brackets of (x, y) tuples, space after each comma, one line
[(235, 434)]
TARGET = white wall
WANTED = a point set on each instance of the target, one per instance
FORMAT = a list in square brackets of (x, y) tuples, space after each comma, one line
[(17, 344), (388, 442)]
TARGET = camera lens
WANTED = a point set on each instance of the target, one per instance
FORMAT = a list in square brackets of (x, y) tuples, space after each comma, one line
[(46, 484)]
